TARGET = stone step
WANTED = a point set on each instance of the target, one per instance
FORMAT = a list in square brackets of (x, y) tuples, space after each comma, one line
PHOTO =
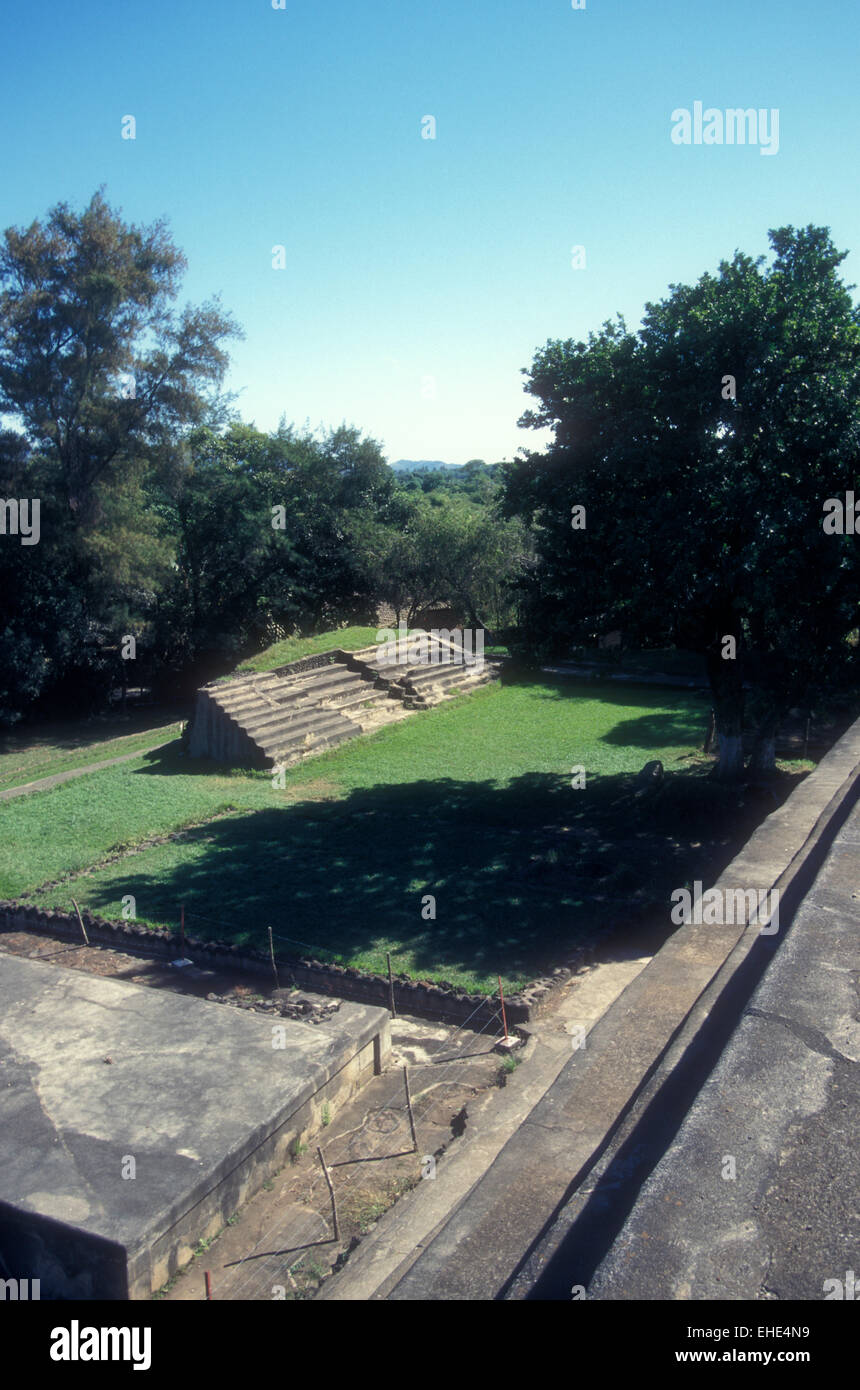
[(279, 717), (355, 699), (441, 675), (246, 705), (260, 729), (309, 685), (227, 693), (277, 751), (428, 695)]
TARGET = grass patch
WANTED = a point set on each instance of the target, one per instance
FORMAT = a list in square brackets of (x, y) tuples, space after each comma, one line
[(470, 803), (349, 639), (30, 755)]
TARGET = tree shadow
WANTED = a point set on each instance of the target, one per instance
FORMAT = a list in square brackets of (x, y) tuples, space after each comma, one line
[(662, 728), (521, 875)]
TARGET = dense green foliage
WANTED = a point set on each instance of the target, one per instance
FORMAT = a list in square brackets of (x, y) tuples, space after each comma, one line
[(166, 518), (703, 449)]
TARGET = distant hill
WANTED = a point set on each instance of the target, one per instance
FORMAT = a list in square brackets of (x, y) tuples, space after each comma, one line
[(420, 465)]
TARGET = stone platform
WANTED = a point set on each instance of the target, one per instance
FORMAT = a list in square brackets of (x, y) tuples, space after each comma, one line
[(275, 718), (99, 1079)]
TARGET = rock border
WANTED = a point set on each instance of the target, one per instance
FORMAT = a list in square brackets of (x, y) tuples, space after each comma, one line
[(437, 1002)]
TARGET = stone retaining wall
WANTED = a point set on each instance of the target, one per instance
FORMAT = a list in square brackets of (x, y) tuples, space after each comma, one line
[(438, 1002), (308, 663)]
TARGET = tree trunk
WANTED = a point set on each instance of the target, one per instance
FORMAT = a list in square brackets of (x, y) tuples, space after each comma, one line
[(763, 756), (728, 704), (711, 734), (730, 762)]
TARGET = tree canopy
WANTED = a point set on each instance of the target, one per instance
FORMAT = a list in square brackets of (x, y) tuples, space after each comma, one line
[(703, 449)]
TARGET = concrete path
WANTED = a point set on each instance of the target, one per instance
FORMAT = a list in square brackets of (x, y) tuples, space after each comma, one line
[(407, 1230), (581, 670), (759, 1197), (43, 783)]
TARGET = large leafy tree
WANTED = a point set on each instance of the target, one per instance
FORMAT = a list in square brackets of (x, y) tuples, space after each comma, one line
[(703, 449), (442, 547), (94, 360), (265, 531), (102, 377)]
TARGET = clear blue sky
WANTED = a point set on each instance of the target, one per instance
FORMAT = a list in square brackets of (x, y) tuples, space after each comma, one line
[(408, 258)]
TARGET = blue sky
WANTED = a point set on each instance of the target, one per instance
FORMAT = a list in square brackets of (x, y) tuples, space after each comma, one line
[(421, 275)]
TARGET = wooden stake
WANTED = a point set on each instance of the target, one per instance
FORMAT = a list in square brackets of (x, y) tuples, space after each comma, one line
[(81, 921), (409, 1108), (208, 1284), (331, 1191), (504, 1019), (272, 954), (182, 930), (391, 1007)]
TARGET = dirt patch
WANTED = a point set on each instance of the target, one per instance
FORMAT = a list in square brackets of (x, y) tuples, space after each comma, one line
[(281, 1244)]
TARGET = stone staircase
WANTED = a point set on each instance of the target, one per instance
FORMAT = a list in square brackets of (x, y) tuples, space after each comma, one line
[(274, 718), (420, 685)]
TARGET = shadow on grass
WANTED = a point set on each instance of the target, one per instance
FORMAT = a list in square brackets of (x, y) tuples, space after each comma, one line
[(660, 728), (521, 875), (170, 759)]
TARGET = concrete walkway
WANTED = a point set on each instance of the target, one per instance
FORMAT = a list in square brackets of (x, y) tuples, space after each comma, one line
[(583, 670), (759, 1196), (44, 783), (382, 1258)]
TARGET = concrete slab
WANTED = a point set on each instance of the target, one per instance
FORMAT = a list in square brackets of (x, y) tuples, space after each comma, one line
[(758, 1198), (100, 1080)]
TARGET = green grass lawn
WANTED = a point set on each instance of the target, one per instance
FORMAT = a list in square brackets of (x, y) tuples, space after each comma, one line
[(470, 803), (349, 639), (28, 756)]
